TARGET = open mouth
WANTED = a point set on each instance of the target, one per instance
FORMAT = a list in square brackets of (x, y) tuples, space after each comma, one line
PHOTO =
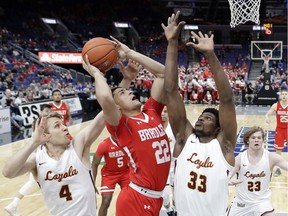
[(134, 98)]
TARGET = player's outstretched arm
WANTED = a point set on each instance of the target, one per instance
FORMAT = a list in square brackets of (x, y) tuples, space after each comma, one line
[(24, 160), (227, 113), (129, 72), (95, 164), (270, 112), (174, 102), (156, 68), (278, 160), (103, 93)]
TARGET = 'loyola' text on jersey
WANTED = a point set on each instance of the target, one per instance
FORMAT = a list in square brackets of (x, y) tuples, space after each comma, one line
[(252, 175), (206, 164), (71, 172)]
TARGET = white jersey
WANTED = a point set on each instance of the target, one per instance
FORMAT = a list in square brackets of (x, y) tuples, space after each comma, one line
[(256, 179), (67, 185), (201, 179), (172, 141)]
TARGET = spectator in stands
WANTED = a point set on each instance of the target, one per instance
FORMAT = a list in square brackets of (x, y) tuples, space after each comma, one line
[(20, 99), (44, 95), (17, 120), (92, 95), (258, 85), (7, 98), (29, 97), (207, 99), (249, 93)]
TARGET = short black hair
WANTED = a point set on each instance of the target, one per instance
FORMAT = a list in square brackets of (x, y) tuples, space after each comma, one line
[(43, 106), (114, 89), (56, 90), (215, 112)]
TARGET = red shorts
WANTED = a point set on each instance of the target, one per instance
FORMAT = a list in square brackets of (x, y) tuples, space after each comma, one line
[(108, 182), (131, 203), (281, 134)]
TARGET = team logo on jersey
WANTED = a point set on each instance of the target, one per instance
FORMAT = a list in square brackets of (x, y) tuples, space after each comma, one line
[(147, 206), (240, 205), (254, 175), (59, 176), (199, 163)]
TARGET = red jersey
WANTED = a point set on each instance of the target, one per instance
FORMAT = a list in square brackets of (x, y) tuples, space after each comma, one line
[(115, 159), (282, 116), (61, 109), (144, 140)]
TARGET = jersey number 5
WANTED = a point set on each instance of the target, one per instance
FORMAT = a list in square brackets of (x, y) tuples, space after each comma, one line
[(162, 151), (192, 184), (65, 193)]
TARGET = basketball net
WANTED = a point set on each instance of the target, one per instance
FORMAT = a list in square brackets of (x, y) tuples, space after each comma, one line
[(243, 11), (266, 63)]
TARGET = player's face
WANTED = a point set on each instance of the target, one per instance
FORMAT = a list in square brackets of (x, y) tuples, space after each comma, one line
[(284, 95), (59, 132), (125, 99), (164, 115), (206, 125), (57, 97), (256, 141), (45, 111)]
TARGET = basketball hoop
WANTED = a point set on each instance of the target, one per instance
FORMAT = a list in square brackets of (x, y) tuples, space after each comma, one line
[(266, 62), (243, 11)]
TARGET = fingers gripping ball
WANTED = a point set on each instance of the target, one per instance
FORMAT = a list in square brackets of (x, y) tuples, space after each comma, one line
[(101, 52)]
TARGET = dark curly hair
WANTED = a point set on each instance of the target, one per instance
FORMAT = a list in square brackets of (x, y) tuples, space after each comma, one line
[(215, 112)]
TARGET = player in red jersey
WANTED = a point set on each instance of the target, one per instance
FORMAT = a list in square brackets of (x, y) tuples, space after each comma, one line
[(281, 132), (61, 107), (115, 171), (139, 133)]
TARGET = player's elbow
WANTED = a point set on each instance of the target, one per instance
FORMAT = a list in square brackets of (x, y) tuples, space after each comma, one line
[(7, 173)]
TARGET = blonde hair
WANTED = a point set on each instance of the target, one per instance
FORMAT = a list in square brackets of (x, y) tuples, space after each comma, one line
[(251, 131), (50, 115)]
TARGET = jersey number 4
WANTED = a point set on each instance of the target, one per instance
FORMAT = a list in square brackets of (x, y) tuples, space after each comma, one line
[(197, 182), (65, 193)]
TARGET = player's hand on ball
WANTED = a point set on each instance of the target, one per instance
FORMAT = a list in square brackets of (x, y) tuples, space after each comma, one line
[(92, 70), (123, 50)]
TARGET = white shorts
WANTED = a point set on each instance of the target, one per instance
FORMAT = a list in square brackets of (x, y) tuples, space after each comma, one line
[(240, 208)]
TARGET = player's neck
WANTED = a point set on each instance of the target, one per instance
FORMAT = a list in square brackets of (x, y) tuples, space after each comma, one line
[(284, 103), (57, 103)]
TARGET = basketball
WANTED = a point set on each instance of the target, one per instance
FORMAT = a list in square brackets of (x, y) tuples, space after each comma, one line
[(101, 52)]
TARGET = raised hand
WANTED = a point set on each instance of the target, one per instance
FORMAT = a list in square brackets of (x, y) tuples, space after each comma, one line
[(131, 70), (92, 70), (205, 42), (39, 136), (122, 48), (173, 28)]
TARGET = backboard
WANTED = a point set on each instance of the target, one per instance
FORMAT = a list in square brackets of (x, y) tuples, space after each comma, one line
[(262, 49)]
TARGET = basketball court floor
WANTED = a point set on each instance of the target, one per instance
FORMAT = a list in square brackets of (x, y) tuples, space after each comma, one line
[(33, 205)]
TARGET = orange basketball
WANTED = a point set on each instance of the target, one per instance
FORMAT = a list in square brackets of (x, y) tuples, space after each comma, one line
[(101, 52)]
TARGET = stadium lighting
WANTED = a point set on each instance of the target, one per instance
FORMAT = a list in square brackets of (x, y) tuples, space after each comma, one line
[(49, 20), (121, 24), (190, 27)]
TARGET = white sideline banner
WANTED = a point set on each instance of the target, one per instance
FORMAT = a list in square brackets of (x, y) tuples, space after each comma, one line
[(31, 111), (5, 120)]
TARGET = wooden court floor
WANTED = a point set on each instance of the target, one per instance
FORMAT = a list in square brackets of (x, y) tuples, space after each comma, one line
[(33, 205)]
